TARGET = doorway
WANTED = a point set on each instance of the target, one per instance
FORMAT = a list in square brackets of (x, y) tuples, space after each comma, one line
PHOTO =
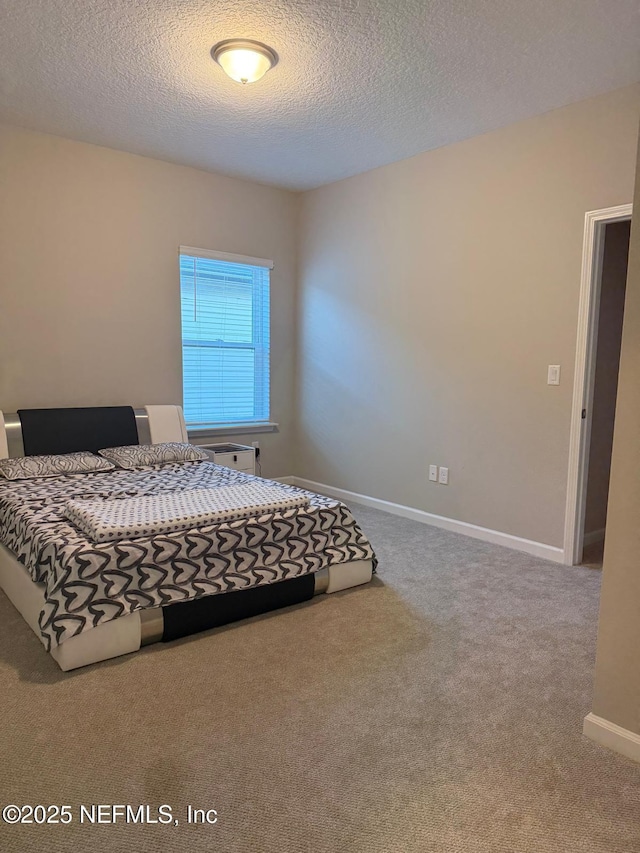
[(604, 273)]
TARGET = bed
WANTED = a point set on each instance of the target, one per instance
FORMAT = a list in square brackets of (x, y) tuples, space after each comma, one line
[(89, 600)]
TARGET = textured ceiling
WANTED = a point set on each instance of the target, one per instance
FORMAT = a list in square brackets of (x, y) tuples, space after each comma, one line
[(360, 83)]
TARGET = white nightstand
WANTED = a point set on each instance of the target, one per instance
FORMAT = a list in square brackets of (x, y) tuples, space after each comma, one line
[(236, 456)]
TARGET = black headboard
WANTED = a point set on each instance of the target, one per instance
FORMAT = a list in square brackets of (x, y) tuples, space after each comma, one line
[(47, 431)]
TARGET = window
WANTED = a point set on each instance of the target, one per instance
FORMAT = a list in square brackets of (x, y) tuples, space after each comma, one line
[(225, 338)]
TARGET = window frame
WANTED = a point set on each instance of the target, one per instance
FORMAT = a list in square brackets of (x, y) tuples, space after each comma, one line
[(204, 429)]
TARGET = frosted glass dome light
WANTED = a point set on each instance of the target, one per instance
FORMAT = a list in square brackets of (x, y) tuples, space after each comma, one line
[(243, 60)]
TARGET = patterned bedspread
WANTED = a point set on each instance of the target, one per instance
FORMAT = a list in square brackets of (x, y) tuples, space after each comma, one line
[(89, 583)]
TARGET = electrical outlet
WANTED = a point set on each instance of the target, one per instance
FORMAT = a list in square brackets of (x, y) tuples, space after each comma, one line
[(433, 473), (256, 444), (443, 477)]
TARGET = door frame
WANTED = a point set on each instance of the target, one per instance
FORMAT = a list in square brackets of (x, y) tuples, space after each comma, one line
[(595, 222)]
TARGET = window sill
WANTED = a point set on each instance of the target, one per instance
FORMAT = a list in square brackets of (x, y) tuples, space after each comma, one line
[(230, 429)]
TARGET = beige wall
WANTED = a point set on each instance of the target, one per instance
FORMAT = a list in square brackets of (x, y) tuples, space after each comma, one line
[(617, 686), (434, 292), (614, 279), (89, 298)]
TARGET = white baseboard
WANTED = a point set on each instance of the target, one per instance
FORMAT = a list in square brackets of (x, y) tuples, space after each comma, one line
[(538, 549), (614, 737), (593, 537), (287, 481)]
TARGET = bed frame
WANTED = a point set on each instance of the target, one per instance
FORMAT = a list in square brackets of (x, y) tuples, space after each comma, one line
[(30, 432)]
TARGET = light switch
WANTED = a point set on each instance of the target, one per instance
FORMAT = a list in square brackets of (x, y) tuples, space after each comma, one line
[(433, 473), (553, 374)]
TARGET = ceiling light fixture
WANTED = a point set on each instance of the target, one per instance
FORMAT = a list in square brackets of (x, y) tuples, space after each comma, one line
[(244, 60)]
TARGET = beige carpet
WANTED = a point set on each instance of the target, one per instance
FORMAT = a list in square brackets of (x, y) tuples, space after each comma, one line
[(437, 709)]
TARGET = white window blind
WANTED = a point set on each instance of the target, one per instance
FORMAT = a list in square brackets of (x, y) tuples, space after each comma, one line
[(225, 339)]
